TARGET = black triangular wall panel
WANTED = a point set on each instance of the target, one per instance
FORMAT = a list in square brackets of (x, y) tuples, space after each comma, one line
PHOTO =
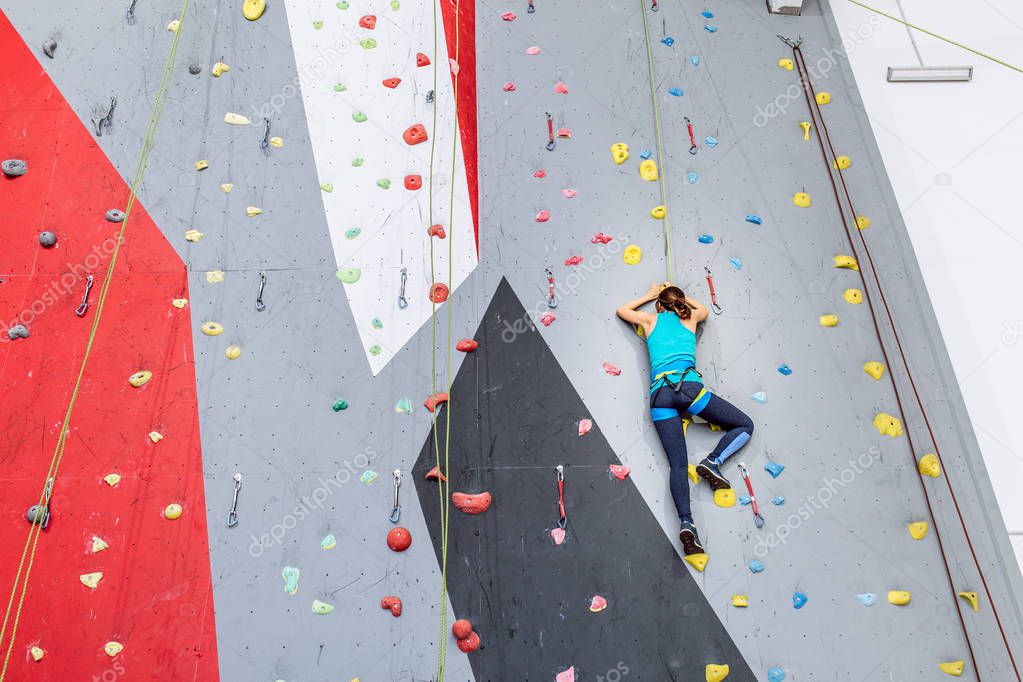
[(514, 417)]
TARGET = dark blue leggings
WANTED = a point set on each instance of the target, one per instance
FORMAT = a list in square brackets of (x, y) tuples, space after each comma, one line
[(667, 407)]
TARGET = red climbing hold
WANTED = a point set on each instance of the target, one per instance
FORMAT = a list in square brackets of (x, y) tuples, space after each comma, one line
[(573, 260), (540, 173), (469, 644), (434, 474), (415, 134), (437, 231), (600, 238), (467, 345), (392, 603), (472, 504), (391, 83), (508, 16), (422, 59), (461, 629), (565, 132), (439, 292), (434, 400), (369, 21), (547, 319), (399, 539), (543, 216), (611, 369), (413, 182), (620, 471)]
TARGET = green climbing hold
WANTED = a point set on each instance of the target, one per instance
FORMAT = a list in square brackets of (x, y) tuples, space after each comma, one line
[(395, 5), (339, 405), (353, 233), (321, 607), (377, 324), (384, 183), (375, 350), (404, 406), (340, 87), (368, 43), (327, 187), (359, 117), (358, 161), (349, 275), (317, 25), (329, 542), (343, 4), (290, 575)]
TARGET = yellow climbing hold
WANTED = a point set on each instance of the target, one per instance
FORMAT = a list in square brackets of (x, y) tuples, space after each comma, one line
[(632, 254), (898, 597), (236, 119), (786, 64), (233, 352), (854, 296), (619, 152), (972, 598), (140, 379), (829, 320), (862, 222), (887, 425), (693, 476), (823, 98), (842, 162), (219, 69), (37, 653), (716, 673), (276, 142), (918, 529), (112, 479), (179, 303), (659, 212), (253, 9), (155, 436), (874, 369), (193, 236), (172, 511), (953, 668), (111, 649), (212, 329), (801, 199), (215, 276), (91, 580), (724, 497), (929, 465), (202, 164), (697, 561), (847, 262), (227, 187), (98, 544), (174, 26), (805, 125), (648, 170), (740, 601), (253, 211)]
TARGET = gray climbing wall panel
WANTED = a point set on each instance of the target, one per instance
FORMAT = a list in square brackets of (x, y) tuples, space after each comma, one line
[(849, 492)]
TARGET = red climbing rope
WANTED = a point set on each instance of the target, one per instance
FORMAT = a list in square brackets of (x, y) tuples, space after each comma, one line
[(815, 112)]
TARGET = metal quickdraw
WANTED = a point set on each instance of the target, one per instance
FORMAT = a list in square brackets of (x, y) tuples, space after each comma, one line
[(530, 9), (40, 513), (260, 306), (130, 12), (551, 301), (429, 97), (106, 119), (402, 301), (550, 131), (264, 144), (396, 508), (713, 294), (563, 521), (692, 136), (232, 516), (84, 305), (757, 518), (653, 6)]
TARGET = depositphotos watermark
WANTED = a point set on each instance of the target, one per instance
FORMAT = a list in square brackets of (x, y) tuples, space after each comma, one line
[(310, 503)]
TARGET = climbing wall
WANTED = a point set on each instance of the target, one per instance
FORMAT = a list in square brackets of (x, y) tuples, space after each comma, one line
[(311, 388)]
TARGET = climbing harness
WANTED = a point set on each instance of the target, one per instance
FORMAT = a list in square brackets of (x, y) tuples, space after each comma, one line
[(232, 516), (106, 119), (40, 513), (84, 305), (551, 301), (692, 137), (530, 9), (757, 518), (130, 13), (713, 294), (563, 521), (402, 301), (395, 507), (550, 131), (260, 306), (264, 144)]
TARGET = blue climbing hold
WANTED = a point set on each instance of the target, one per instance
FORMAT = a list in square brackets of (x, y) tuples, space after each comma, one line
[(867, 598), (778, 500), (668, 40), (756, 566), (754, 218), (798, 600), (711, 141), (710, 29), (694, 60), (745, 499), (677, 92), (774, 469), (736, 263), (784, 370), (759, 397), (775, 675), (705, 238), (707, 14), (645, 154), (692, 178)]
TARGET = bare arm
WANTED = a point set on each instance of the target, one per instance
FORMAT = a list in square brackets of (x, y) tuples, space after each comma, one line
[(630, 311), (700, 311)]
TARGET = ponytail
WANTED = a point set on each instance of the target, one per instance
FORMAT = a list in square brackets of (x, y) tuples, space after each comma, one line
[(674, 300)]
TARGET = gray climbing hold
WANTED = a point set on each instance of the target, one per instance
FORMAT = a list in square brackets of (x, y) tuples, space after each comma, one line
[(47, 239), (49, 47), (194, 69), (12, 168), (18, 331), (36, 514), (114, 215)]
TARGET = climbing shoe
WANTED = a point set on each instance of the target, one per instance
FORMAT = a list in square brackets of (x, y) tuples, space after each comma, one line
[(690, 540), (711, 472)]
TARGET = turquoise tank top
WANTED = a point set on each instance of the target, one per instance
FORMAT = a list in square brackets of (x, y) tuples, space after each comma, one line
[(672, 348)]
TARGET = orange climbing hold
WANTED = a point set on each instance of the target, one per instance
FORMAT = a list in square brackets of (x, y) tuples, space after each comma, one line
[(391, 83), (415, 134), (439, 292), (434, 474), (472, 504), (422, 59), (413, 182), (434, 400), (393, 604), (437, 231), (369, 21)]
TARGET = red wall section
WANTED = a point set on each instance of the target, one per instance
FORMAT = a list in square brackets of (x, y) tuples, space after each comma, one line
[(156, 595), (463, 23)]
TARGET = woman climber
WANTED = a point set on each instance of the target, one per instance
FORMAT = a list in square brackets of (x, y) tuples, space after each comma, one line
[(676, 387)]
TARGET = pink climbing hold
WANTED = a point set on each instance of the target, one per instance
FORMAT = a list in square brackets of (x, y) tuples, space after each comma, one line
[(540, 173), (598, 604), (573, 260), (566, 675), (584, 426), (558, 535), (568, 193), (508, 16), (600, 238), (454, 67), (619, 471), (611, 369), (509, 87), (547, 318), (533, 50), (565, 132), (543, 216), (561, 88)]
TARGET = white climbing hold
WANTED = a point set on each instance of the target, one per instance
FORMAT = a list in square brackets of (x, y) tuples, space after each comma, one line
[(236, 119), (112, 479), (155, 436), (193, 236), (253, 211), (226, 187), (91, 580), (111, 649), (174, 26), (215, 276), (179, 303), (98, 544), (37, 653)]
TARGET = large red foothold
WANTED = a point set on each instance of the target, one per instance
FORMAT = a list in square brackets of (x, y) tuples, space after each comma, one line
[(467, 345), (469, 644), (422, 59), (391, 83), (413, 182), (434, 400), (472, 504), (439, 292), (415, 134), (369, 21), (399, 539), (437, 231), (461, 628), (434, 474), (392, 603)]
